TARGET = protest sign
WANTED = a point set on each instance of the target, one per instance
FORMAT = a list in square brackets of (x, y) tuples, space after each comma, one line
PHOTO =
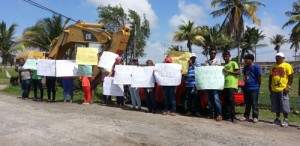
[(30, 64), (109, 88), (46, 67), (107, 60), (209, 77), (142, 77), (87, 56), (123, 74), (168, 74), (85, 70), (182, 58), (65, 68)]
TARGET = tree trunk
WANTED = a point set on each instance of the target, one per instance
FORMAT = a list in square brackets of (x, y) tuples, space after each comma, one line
[(189, 45)]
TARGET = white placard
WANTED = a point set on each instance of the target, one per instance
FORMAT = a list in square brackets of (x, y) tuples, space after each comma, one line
[(123, 74), (107, 60), (46, 67), (30, 64), (109, 88), (168, 74), (66, 68), (143, 77), (209, 77)]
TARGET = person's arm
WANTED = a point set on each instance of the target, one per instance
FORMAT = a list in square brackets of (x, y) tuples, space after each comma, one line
[(289, 84), (259, 80), (235, 72), (270, 82)]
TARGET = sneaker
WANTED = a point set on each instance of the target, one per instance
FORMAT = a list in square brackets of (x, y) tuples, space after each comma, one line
[(71, 101), (219, 118), (277, 121), (255, 120), (198, 114), (285, 123), (65, 101), (188, 114), (244, 119)]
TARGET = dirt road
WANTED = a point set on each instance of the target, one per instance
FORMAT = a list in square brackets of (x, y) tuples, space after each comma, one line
[(24, 122)]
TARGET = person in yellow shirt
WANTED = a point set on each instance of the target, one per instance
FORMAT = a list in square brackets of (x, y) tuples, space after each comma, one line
[(280, 80)]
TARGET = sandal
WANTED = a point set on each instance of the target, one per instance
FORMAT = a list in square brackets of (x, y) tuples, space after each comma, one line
[(173, 114), (164, 113)]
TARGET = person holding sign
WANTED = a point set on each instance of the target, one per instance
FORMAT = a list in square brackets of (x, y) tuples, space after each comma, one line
[(231, 70), (150, 94), (190, 87), (25, 78), (85, 83), (134, 92), (120, 99), (252, 77), (51, 87), (213, 95), (169, 94), (37, 83)]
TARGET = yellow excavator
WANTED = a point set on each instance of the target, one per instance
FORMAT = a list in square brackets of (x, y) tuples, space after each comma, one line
[(82, 33)]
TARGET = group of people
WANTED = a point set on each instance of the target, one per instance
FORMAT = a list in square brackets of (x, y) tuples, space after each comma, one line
[(280, 80)]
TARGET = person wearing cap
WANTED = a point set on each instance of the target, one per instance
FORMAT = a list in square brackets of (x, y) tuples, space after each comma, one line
[(120, 99), (252, 78), (169, 94), (134, 91), (280, 81), (213, 95), (231, 70), (190, 87)]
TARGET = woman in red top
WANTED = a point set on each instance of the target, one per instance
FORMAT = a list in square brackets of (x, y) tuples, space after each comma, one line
[(86, 89)]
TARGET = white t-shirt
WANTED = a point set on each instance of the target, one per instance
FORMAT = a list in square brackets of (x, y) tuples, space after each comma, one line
[(214, 62), (25, 74)]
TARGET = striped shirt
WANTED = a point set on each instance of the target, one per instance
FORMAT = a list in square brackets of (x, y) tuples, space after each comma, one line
[(190, 78)]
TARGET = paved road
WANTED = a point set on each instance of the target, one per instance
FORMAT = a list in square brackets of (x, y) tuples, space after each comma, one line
[(24, 122)]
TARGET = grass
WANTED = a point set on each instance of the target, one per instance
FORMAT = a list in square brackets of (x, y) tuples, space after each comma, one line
[(264, 97)]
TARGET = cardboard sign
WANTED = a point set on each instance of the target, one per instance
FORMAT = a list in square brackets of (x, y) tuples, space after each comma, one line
[(168, 74), (30, 64), (109, 88), (85, 70), (210, 77), (66, 68), (123, 74), (143, 77), (181, 58), (107, 60), (46, 67), (87, 56)]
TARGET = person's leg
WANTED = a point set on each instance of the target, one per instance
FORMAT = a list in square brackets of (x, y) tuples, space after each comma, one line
[(53, 90), (148, 99), (27, 88), (153, 102), (40, 86), (88, 90), (210, 101), (226, 108), (275, 106), (285, 109), (173, 98), (71, 88), (23, 88), (254, 96), (217, 103), (166, 97), (137, 97), (133, 102), (231, 104), (35, 86), (196, 101), (48, 85), (247, 99), (118, 100), (189, 98), (65, 88)]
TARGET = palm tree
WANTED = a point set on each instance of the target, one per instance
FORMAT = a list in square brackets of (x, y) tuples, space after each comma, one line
[(234, 11), (188, 32), (174, 48), (8, 43), (278, 40), (250, 41), (295, 40), (44, 33)]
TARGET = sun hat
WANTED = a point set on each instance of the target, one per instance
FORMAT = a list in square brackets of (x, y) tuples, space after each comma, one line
[(280, 54)]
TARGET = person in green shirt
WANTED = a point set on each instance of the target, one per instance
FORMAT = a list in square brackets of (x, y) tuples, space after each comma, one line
[(36, 81), (231, 70)]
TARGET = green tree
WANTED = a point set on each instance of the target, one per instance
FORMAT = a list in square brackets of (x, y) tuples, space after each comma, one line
[(140, 28), (278, 40), (174, 48), (250, 41), (8, 43), (234, 11), (45, 33), (188, 32)]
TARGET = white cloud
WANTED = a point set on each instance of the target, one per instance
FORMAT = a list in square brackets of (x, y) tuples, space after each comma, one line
[(140, 6), (190, 11)]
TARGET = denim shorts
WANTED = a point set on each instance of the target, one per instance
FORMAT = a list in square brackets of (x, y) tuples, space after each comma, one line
[(280, 102)]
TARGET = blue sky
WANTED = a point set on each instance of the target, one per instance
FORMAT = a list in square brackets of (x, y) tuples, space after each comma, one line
[(164, 16)]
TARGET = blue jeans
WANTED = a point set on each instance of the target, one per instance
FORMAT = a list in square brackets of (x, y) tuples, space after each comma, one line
[(135, 97), (25, 84), (67, 84), (169, 94), (213, 99), (251, 100)]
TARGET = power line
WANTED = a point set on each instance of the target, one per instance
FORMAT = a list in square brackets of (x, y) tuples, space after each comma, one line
[(47, 9)]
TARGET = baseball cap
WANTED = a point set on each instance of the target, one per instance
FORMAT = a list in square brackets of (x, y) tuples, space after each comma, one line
[(168, 60), (193, 55), (280, 54), (118, 58)]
